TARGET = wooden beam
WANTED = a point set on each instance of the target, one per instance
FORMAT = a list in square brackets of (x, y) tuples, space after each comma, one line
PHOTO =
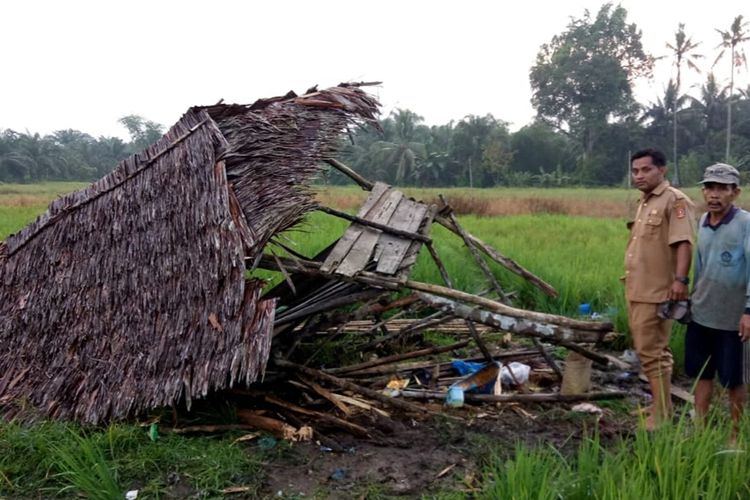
[(564, 336), (319, 375), (383, 227), (507, 262), (497, 307), (399, 357), (520, 398)]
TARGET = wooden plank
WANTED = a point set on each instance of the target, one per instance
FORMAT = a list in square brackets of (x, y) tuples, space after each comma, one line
[(353, 232), (392, 249), (362, 250), (413, 252), (376, 194)]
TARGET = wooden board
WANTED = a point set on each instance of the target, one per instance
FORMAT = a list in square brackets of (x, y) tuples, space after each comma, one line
[(354, 231), (391, 248), (362, 250), (360, 245)]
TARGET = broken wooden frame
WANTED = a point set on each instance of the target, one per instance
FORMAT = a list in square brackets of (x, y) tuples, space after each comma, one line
[(376, 254)]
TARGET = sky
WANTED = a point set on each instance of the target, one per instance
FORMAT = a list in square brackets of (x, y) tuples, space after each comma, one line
[(84, 64)]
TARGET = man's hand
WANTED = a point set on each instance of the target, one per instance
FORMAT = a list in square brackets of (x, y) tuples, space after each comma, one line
[(679, 291), (745, 327)]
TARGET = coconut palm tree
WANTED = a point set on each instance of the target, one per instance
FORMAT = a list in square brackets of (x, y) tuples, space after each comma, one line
[(403, 148), (682, 51), (732, 40)]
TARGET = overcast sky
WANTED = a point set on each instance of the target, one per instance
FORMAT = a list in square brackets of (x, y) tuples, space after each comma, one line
[(83, 64)]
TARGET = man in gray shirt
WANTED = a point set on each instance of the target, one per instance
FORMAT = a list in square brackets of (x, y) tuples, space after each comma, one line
[(721, 297)]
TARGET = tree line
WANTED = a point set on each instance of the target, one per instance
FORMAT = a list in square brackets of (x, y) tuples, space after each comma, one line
[(587, 121), (70, 155)]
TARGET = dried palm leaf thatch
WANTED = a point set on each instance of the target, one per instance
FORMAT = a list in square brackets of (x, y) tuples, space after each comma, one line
[(276, 146), (131, 294)]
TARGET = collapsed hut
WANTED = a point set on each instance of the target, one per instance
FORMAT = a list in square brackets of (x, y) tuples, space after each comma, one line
[(133, 293)]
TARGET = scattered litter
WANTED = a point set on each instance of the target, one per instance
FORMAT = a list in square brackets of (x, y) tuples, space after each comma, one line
[(236, 489), (515, 373), (266, 443), (630, 356), (587, 408), (485, 379), (339, 474), (394, 386), (304, 433), (153, 433), (246, 437), (445, 471), (131, 495)]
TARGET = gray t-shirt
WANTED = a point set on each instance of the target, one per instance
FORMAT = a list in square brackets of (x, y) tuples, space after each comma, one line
[(722, 272)]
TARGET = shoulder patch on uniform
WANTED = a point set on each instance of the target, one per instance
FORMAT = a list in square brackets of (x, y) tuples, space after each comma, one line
[(679, 208)]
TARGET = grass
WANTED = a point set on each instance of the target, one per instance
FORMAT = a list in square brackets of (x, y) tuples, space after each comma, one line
[(678, 461), (58, 460)]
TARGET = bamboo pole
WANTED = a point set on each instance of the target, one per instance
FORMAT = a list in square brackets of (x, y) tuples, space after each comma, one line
[(505, 310), (317, 374), (563, 336), (398, 357), (383, 227), (508, 263), (449, 283), (520, 398), (313, 268)]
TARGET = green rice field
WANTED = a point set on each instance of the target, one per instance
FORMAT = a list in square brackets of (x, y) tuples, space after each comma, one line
[(580, 255)]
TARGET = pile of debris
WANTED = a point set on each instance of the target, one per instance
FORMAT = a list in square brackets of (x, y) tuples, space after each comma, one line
[(137, 288)]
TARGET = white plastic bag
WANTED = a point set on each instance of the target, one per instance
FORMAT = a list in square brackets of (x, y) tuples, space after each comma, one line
[(520, 373)]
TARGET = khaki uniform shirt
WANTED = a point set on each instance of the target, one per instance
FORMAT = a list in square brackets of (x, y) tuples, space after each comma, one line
[(664, 217)]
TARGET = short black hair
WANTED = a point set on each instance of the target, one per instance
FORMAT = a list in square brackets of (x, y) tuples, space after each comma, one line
[(657, 157)]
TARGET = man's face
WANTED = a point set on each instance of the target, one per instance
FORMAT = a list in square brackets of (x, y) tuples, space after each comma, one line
[(646, 175), (719, 197)]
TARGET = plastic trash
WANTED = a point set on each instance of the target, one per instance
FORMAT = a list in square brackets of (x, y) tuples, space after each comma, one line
[(587, 408), (630, 356), (266, 443), (519, 376), (338, 474), (486, 379), (584, 309), (455, 396), (131, 495), (466, 367), (153, 432)]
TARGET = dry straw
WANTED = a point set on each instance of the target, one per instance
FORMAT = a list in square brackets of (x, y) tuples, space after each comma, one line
[(131, 294)]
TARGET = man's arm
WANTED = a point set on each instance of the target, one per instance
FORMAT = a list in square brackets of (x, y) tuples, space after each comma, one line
[(745, 319), (684, 251)]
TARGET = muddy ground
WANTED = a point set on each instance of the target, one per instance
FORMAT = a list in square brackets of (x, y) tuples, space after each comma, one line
[(408, 457)]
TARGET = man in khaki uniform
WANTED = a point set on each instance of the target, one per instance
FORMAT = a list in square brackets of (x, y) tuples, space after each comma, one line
[(657, 263)]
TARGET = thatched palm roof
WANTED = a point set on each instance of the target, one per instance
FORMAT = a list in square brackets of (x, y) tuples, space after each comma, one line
[(131, 294)]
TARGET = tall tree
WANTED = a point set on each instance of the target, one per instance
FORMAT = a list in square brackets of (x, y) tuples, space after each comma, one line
[(470, 138), (142, 132), (731, 40), (583, 79), (683, 52)]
